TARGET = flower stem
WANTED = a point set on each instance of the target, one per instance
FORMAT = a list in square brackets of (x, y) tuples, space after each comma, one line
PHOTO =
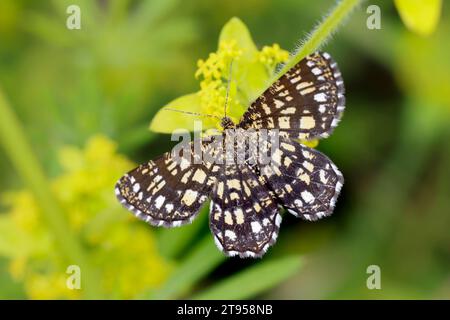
[(17, 148), (321, 33)]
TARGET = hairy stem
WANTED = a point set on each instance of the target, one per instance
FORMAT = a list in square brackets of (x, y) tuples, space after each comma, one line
[(321, 33)]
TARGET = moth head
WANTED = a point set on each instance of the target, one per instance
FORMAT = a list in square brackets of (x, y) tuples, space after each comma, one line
[(227, 123)]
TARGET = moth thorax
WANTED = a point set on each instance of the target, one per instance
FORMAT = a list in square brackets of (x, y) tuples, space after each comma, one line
[(227, 123)]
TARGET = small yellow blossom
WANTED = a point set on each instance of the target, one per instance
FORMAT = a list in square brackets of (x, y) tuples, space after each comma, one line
[(249, 73), (214, 75), (229, 49), (217, 65), (214, 79), (273, 55)]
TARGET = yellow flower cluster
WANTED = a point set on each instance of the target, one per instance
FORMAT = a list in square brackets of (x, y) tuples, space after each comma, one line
[(214, 74), (271, 56), (217, 63), (237, 59), (119, 246)]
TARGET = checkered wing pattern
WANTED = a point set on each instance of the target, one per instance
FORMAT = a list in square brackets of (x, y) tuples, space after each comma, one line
[(305, 103), (166, 191), (304, 180), (244, 217)]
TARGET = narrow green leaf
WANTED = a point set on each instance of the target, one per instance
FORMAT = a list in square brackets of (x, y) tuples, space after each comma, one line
[(236, 30), (255, 280), (17, 148), (171, 242), (202, 260)]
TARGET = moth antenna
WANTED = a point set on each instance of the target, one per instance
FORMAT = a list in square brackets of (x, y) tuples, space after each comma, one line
[(193, 113), (228, 87)]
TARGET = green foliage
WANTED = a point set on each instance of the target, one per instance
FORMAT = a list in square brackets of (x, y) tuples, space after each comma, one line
[(84, 193), (248, 283), (62, 92), (200, 261), (420, 16)]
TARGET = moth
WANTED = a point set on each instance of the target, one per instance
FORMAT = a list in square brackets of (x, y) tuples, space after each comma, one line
[(246, 199)]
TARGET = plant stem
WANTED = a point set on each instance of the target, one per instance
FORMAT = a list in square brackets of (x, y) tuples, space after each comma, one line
[(321, 33), (17, 148)]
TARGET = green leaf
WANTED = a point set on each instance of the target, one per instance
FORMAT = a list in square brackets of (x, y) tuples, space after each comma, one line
[(250, 75), (254, 280), (420, 16), (236, 30), (166, 121), (201, 261), (252, 78), (173, 241), (429, 80)]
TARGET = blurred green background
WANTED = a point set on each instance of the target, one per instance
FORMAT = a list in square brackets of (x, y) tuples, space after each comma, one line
[(85, 98)]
